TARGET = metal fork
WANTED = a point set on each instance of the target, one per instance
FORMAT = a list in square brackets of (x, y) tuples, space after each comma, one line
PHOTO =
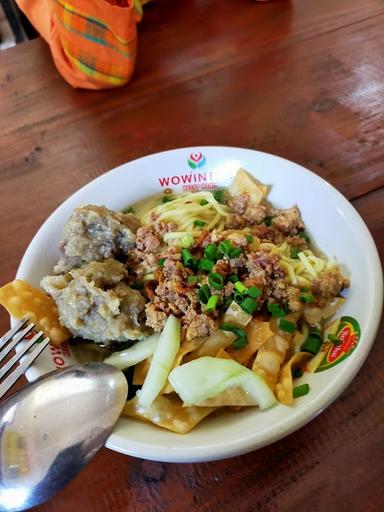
[(8, 342)]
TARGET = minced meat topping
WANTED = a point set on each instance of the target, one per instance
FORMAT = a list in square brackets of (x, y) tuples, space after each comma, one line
[(119, 280)]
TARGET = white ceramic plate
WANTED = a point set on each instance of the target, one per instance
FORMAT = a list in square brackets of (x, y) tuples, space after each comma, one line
[(332, 222)]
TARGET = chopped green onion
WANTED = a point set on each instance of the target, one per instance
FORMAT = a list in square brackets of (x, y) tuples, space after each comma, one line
[(287, 326), (167, 199), (249, 305), (203, 202), (303, 234), (199, 223), (218, 195), (307, 298), (301, 390), (137, 286), (275, 310), (238, 297), (254, 291), (304, 289), (211, 304), (211, 252), (295, 253), (160, 262), (235, 252), (297, 372), (226, 326), (187, 257), (233, 278), (241, 288), (206, 264), (315, 332), (129, 210), (216, 280), (233, 328), (334, 339), (268, 221), (204, 293), (311, 345), (249, 238), (187, 241), (225, 246), (239, 343), (192, 279), (228, 301)]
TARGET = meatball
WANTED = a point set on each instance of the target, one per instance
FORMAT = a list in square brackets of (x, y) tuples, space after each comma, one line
[(94, 233), (95, 303)]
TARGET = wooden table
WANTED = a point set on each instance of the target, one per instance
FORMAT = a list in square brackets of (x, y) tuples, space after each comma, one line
[(303, 79)]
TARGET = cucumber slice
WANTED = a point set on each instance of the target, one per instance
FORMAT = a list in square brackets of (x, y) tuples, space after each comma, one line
[(206, 377), (135, 354), (162, 361)]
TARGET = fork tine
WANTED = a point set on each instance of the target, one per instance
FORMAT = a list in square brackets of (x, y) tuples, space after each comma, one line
[(15, 341), (22, 368), (8, 335), (8, 365)]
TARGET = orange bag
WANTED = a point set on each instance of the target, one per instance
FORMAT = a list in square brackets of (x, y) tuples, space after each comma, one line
[(93, 42)]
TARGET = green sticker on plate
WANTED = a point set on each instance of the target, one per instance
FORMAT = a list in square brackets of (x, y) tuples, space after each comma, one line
[(348, 333)]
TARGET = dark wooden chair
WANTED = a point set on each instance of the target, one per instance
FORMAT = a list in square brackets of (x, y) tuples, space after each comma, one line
[(20, 26)]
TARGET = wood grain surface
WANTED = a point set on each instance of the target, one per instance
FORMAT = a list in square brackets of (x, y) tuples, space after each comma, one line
[(303, 79)]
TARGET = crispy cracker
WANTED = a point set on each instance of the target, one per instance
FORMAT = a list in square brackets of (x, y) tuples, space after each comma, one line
[(22, 300)]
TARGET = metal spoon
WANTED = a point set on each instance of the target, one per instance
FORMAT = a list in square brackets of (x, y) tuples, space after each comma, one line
[(50, 429)]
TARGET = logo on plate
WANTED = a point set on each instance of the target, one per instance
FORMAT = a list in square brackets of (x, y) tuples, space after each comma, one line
[(197, 177), (196, 160), (348, 334)]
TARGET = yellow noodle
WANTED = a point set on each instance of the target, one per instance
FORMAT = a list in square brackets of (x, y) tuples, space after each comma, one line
[(148, 277), (186, 206), (214, 222), (307, 264), (290, 271), (179, 234), (301, 271)]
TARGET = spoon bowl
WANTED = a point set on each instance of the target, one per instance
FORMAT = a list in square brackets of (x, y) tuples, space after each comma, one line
[(50, 429)]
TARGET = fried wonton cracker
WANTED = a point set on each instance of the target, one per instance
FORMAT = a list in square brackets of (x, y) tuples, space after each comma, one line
[(257, 334), (140, 372), (284, 385), (244, 183), (269, 359), (211, 345), (22, 300), (222, 354), (168, 412)]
